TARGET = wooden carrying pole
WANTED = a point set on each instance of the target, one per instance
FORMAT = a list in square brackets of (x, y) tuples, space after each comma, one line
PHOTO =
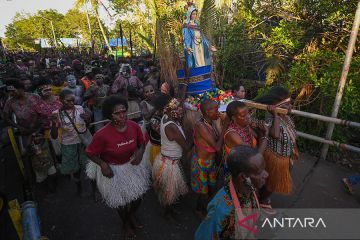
[(264, 107), (304, 114), (313, 116), (345, 71)]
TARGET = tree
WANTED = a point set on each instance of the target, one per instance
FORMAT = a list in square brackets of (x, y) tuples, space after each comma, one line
[(26, 28), (75, 24), (95, 4)]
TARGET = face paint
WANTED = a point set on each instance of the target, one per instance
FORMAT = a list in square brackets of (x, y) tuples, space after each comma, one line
[(72, 81), (119, 115), (45, 91), (149, 92)]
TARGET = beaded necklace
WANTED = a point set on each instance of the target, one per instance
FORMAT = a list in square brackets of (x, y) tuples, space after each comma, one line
[(211, 126), (244, 133)]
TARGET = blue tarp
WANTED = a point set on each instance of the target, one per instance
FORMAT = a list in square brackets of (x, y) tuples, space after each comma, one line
[(117, 42)]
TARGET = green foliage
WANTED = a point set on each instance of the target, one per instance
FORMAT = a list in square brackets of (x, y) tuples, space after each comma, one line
[(300, 44), (26, 28), (208, 18), (322, 70)]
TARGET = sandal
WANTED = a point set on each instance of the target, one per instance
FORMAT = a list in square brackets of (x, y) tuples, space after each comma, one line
[(268, 209), (348, 186)]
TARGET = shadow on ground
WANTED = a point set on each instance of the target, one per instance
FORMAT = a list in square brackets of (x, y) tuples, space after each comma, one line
[(64, 215)]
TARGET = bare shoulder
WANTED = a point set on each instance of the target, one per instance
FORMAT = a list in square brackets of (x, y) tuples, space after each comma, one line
[(229, 135)]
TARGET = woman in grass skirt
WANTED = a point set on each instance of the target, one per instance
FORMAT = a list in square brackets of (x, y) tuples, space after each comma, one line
[(152, 149), (167, 174), (281, 148), (116, 152)]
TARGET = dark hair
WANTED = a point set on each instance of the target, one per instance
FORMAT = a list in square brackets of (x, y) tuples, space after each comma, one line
[(205, 104), (64, 93), (161, 100), (42, 82), (148, 84), (236, 87), (109, 104), (274, 95), (14, 82), (239, 159), (232, 108)]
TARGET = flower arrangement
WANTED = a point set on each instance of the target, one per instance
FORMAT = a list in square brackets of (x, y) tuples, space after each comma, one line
[(222, 97)]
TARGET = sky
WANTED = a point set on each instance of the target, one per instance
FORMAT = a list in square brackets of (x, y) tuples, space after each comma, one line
[(8, 9)]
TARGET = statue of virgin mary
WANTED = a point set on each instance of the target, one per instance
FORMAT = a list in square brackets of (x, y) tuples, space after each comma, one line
[(196, 46)]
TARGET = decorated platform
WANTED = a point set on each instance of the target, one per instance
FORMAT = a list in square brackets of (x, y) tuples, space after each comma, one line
[(193, 102)]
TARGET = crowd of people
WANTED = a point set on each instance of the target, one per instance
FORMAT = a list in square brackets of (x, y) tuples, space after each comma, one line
[(116, 129)]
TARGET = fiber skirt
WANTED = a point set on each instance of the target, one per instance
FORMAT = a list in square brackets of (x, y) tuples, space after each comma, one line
[(278, 167), (151, 152), (168, 180), (129, 182)]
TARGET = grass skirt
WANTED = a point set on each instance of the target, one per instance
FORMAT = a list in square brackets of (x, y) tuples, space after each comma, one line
[(168, 180), (129, 183), (151, 152), (278, 167)]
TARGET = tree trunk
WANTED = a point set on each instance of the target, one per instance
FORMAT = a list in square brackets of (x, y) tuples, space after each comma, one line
[(90, 30), (102, 30)]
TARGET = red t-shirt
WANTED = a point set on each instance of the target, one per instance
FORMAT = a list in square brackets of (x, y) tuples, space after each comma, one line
[(115, 147)]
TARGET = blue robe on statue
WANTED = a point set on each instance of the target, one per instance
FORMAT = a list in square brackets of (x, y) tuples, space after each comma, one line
[(188, 32), (194, 38)]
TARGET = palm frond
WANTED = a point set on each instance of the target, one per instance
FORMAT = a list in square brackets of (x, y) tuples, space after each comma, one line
[(208, 18), (148, 40), (80, 3)]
